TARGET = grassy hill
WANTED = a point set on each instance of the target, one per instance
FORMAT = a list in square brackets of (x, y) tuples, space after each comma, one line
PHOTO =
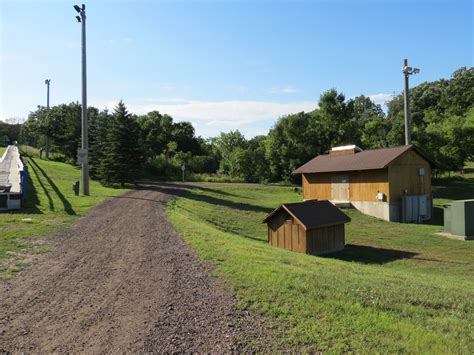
[(50, 205), (395, 288)]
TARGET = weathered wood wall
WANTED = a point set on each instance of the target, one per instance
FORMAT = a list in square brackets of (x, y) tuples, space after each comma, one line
[(325, 239), (284, 232), (363, 185), (403, 174)]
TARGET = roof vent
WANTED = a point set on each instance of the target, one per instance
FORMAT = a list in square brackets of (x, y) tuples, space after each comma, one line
[(344, 150)]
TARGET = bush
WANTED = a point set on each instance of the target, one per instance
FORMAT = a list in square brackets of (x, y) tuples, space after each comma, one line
[(161, 167), (213, 178), (201, 164)]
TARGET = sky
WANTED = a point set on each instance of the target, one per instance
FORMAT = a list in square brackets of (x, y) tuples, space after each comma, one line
[(225, 65)]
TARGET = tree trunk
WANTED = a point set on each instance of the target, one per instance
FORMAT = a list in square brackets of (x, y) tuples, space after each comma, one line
[(47, 148)]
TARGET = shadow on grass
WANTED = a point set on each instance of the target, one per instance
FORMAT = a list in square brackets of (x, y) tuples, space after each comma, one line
[(186, 190), (45, 190), (370, 255), (66, 204), (187, 185), (455, 188)]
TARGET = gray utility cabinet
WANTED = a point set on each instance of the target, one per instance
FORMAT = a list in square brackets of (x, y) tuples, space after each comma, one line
[(459, 218), (415, 209)]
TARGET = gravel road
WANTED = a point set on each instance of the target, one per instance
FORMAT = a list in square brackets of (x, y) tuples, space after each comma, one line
[(121, 279)]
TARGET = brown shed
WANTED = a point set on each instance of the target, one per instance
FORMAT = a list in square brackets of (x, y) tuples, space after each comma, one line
[(389, 183), (311, 227)]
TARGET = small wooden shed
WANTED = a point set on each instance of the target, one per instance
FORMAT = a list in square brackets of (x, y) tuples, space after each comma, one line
[(311, 227)]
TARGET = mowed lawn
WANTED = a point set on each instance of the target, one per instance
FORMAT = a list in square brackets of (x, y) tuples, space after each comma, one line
[(395, 288), (50, 205)]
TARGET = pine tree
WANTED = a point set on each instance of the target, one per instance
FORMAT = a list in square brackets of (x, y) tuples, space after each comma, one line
[(122, 159), (98, 126)]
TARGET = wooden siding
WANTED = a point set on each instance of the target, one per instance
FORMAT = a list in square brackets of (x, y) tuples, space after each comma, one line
[(325, 239), (363, 185), (403, 175), (284, 232)]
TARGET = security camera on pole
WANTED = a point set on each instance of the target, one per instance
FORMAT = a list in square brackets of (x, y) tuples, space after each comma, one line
[(82, 153), (406, 72)]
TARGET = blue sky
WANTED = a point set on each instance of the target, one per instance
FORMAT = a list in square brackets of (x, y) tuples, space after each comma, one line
[(226, 65)]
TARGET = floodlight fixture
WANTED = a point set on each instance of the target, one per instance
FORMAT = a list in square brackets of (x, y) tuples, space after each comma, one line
[(410, 70), (78, 18), (77, 8)]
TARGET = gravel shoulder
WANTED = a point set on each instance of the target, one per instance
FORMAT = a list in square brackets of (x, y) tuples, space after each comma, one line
[(121, 279)]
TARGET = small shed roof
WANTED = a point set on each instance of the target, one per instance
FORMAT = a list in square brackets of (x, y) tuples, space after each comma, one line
[(365, 160), (312, 214)]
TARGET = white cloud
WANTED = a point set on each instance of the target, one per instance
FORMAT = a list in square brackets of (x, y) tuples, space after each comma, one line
[(212, 117), (289, 89), (233, 112), (381, 99)]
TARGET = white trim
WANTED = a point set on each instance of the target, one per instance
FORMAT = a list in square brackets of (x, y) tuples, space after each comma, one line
[(346, 147)]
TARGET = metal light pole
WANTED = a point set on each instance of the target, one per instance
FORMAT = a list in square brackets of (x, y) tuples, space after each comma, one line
[(84, 143), (47, 82), (407, 71)]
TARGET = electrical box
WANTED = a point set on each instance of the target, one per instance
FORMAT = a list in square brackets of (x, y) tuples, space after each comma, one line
[(459, 218), (421, 171), (415, 209)]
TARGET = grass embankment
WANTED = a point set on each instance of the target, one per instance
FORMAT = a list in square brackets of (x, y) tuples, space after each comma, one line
[(50, 205), (395, 288), (2, 150)]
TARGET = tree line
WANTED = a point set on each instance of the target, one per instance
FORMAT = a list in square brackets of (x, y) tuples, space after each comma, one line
[(124, 146)]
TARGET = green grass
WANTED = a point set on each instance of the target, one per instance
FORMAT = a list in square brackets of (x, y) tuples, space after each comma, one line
[(2, 149), (456, 187), (50, 205), (395, 288)]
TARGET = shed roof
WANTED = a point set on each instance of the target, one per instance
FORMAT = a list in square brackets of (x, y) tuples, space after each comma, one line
[(365, 160), (312, 214)]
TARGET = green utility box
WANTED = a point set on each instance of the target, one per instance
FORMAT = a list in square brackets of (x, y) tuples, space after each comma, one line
[(459, 218)]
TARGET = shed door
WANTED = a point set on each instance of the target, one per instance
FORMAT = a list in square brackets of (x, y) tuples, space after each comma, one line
[(340, 188)]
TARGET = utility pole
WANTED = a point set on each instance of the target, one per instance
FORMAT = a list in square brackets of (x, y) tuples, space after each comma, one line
[(47, 82), (407, 71), (84, 142)]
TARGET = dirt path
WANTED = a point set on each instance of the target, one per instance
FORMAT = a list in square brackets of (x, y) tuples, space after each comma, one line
[(120, 279)]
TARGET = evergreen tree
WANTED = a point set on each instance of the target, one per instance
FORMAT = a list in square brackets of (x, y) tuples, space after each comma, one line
[(98, 126), (122, 160)]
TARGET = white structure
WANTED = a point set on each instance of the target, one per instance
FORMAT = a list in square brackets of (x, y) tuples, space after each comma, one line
[(11, 174)]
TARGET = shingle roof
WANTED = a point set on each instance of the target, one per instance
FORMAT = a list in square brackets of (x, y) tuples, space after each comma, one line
[(312, 214), (365, 160)]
